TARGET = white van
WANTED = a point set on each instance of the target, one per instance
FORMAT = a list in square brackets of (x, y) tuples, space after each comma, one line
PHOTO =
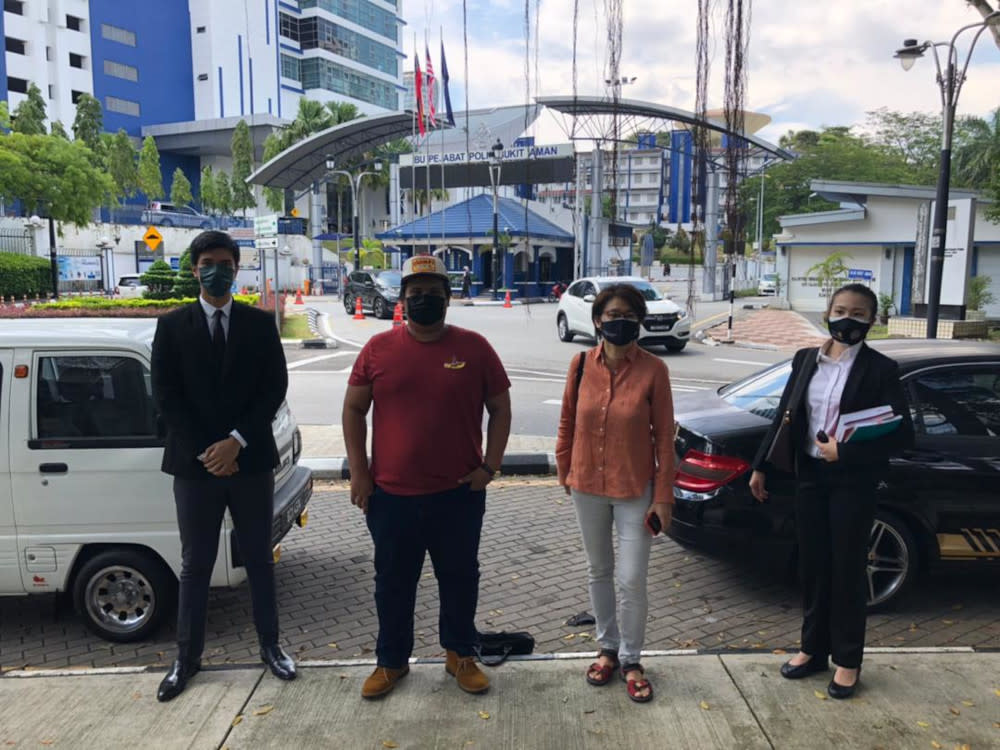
[(84, 507)]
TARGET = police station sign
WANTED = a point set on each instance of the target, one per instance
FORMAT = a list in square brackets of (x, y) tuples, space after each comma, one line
[(484, 156)]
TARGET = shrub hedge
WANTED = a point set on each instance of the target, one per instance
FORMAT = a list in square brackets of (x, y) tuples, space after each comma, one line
[(24, 275), (102, 307)]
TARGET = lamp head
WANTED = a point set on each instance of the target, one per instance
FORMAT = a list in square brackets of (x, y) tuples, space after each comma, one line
[(377, 165), (331, 163), (909, 52)]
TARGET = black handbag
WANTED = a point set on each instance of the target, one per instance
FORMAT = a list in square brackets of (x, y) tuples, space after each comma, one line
[(494, 648), (781, 454)]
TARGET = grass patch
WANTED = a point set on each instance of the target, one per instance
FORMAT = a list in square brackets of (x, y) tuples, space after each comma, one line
[(878, 332), (296, 327)]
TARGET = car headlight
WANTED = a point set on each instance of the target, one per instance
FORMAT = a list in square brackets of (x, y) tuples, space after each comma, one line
[(682, 314)]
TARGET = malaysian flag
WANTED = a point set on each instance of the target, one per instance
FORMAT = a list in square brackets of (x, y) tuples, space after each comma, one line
[(419, 86), (430, 89)]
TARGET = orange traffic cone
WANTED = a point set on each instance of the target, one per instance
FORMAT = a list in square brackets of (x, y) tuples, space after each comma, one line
[(397, 314), (359, 314), (298, 297), (506, 299)]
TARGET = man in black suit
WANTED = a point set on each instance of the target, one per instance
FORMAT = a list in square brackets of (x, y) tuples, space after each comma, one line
[(219, 377)]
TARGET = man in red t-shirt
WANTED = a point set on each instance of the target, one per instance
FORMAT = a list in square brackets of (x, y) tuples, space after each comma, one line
[(425, 491)]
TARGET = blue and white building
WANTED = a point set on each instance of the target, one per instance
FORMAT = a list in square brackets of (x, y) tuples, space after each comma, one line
[(186, 71)]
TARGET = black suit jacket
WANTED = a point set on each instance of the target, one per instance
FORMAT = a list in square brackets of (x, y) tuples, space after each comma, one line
[(200, 405), (873, 381)]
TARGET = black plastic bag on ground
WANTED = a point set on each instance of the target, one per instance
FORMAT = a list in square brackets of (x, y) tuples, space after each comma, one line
[(494, 648)]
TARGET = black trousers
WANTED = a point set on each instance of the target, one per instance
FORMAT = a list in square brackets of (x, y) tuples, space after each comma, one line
[(834, 509), (201, 504), (447, 525)]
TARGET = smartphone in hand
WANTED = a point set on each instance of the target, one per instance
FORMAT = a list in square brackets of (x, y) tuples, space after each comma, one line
[(653, 524), (822, 437)]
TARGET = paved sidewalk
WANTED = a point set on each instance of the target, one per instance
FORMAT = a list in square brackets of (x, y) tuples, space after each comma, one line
[(324, 441), (906, 700), (768, 329)]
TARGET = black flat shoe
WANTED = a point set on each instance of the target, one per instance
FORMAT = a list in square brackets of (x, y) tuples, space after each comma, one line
[(281, 664), (815, 665), (177, 679), (842, 692)]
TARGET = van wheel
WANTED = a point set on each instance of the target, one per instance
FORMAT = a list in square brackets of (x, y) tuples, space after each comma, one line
[(562, 325), (123, 594), (893, 560)]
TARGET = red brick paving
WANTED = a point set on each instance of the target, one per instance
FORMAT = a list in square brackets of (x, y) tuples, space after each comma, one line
[(782, 329)]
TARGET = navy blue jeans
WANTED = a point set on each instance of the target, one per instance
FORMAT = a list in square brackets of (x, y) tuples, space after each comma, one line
[(447, 525)]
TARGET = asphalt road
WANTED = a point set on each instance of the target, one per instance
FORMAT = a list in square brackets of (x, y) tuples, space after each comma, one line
[(525, 339)]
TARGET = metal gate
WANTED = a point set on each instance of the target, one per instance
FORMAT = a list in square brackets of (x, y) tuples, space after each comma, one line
[(326, 279)]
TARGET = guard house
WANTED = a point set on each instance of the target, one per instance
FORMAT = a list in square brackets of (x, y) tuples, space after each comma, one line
[(538, 252)]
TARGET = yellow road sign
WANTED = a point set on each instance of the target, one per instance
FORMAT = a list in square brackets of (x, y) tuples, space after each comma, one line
[(152, 238)]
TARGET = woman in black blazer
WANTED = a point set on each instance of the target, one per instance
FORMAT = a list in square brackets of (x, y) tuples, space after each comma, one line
[(836, 482)]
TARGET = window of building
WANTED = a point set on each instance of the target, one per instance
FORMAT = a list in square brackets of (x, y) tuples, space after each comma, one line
[(318, 33), (14, 6), (290, 68), (361, 12), (115, 34), (48, 54), (122, 106), (17, 84), (94, 397), (74, 23), (52, 91), (121, 70), (17, 46), (75, 95), (200, 30), (203, 76), (323, 74), (75, 60), (288, 26)]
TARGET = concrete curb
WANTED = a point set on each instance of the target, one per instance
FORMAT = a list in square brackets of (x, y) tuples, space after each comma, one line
[(521, 464)]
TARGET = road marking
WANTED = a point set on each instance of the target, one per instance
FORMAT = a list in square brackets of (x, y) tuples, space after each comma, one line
[(321, 358), (553, 401), (535, 372), (536, 380), (321, 372), (741, 362)]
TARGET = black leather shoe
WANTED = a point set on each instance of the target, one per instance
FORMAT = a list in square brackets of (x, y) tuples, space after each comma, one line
[(813, 666), (177, 679), (281, 664), (840, 692)]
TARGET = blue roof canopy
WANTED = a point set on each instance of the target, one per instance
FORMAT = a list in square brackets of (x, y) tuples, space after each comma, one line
[(474, 218)]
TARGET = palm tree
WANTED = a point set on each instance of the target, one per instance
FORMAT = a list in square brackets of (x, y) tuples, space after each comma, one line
[(978, 153), (341, 112), (312, 117)]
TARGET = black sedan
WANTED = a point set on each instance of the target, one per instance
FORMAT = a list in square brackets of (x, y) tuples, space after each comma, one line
[(940, 502)]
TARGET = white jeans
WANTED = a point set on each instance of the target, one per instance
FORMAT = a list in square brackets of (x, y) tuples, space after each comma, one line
[(597, 516)]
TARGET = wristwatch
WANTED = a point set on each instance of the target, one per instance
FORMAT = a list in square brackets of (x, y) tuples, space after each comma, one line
[(488, 469)]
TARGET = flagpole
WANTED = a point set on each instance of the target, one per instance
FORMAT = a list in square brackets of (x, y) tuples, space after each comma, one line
[(418, 106), (441, 73)]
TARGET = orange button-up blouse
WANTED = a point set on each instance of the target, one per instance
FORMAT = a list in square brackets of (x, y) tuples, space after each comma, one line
[(618, 436)]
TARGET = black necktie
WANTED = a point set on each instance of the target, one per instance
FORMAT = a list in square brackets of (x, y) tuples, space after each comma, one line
[(218, 340)]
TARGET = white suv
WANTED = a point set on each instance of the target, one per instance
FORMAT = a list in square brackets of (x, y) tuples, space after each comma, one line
[(84, 507), (666, 323), (130, 285)]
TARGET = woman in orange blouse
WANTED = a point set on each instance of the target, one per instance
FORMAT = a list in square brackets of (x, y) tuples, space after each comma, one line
[(615, 455)]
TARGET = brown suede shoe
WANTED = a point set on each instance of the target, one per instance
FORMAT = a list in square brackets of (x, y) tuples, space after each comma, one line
[(382, 681), (467, 673)]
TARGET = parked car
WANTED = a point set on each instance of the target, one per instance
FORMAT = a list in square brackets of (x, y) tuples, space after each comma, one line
[(164, 214), (378, 290), (666, 322), (768, 284), (130, 285), (84, 507), (939, 501)]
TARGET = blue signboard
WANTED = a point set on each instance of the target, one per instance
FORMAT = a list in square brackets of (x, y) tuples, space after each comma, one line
[(859, 274), (175, 263)]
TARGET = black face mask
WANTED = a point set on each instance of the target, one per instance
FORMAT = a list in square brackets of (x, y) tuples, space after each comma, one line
[(425, 309), (847, 330), (620, 332)]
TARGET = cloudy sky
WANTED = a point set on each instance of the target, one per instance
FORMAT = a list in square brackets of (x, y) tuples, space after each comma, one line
[(812, 63)]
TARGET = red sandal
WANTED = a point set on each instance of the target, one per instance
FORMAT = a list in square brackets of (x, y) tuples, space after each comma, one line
[(633, 687), (600, 674)]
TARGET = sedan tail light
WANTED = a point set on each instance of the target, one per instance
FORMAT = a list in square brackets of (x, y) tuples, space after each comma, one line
[(702, 472)]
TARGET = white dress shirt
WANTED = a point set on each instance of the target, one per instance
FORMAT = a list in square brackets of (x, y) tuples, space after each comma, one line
[(825, 390), (210, 311)]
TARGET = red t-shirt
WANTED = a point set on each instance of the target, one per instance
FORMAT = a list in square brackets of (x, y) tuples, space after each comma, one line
[(427, 419)]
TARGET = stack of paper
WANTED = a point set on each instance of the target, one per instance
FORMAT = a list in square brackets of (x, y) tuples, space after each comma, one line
[(867, 424)]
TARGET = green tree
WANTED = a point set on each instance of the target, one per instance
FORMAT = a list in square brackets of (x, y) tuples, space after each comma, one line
[(273, 197), (150, 177), (312, 117), (830, 272), (57, 129), (223, 194), (341, 112), (209, 198), (53, 177), (120, 162), (241, 148), (29, 115), (976, 155), (186, 285), (159, 281), (4, 117), (88, 124), (180, 188)]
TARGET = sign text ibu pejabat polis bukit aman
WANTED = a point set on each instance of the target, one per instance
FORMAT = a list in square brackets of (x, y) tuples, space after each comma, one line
[(483, 156)]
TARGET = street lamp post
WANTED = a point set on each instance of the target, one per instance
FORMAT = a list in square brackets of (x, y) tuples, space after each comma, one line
[(496, 159), (355, 182), (950, 81)]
